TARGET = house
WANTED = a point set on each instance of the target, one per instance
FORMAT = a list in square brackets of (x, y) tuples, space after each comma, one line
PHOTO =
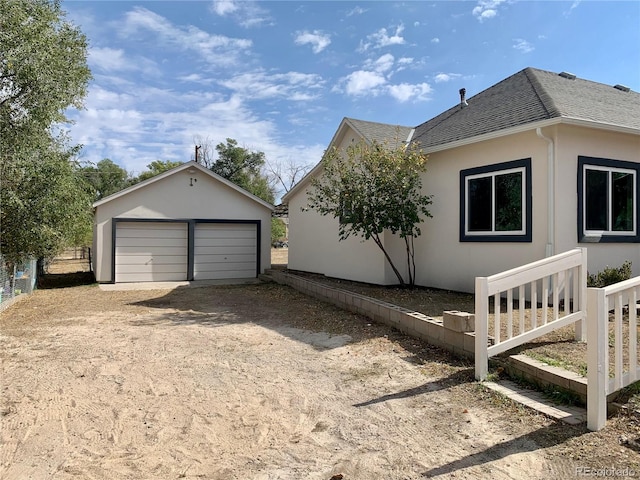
[(185, 224), (535, 165)]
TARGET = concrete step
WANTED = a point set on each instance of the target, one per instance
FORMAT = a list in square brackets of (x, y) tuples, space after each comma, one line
[(537, 401)]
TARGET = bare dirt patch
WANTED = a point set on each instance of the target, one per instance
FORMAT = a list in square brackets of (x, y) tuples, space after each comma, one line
[(256, 382)]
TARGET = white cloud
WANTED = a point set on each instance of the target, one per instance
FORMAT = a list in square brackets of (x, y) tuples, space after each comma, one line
[(381, 64), (573, 6), (435, 40), (446, 77), (356, 11), (260, 85), (487, 9), (224, 7), (523, 45), (405, 91), (246, 13), (382, 38), (318, 40), (363, 82), (215, 49)]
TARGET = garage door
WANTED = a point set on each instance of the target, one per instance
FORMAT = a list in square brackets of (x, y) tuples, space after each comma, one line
[(224, 250), (151, 252)]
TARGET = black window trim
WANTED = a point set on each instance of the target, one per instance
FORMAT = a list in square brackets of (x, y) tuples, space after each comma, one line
[(528, 197), (610, 164)]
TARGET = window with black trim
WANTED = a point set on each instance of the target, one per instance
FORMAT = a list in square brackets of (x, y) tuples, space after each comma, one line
[(607, 200), (495, 202)]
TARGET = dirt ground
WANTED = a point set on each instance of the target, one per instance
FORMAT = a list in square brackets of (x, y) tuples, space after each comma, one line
[(258, 382)]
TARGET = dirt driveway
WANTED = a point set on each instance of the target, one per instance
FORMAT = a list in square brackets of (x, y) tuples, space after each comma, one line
[(247, 382)]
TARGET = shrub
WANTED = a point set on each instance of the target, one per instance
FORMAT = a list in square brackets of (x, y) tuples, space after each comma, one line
[(609, 276)]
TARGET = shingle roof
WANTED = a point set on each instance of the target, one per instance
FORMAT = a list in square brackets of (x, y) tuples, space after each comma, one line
[(529, 96), (379, 132)]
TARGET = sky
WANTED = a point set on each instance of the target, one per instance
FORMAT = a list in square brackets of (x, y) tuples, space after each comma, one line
[(279, 76)]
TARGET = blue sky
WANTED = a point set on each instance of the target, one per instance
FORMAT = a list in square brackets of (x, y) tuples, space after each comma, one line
[(280, 76)]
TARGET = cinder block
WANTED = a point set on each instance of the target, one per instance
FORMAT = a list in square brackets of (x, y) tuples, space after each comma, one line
[(421, 326), (395, 317), (436, 331), (469, 342), (406, 322), (453, 338), (459, 321)]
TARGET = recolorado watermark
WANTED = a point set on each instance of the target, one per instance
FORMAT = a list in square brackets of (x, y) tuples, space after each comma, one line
[(607, 472)]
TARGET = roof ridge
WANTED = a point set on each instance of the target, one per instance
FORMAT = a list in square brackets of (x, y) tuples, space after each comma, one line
[(546, 100)]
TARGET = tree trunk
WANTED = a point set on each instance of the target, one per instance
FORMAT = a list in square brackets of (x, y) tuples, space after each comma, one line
[(376, 239)]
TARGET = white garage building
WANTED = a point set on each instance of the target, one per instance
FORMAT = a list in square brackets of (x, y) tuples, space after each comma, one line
[(185, 224)]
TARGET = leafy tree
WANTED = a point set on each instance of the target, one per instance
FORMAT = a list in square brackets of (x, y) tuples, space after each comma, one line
[(106, 178), (155, 168), (278, 229), (45, 205), (241, 166), (373, 188), (43, 71)]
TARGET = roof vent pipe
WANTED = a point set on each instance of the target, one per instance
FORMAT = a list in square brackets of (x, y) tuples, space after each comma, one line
[(463, 102)]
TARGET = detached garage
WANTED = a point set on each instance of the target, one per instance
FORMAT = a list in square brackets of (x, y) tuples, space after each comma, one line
[(185, 224)]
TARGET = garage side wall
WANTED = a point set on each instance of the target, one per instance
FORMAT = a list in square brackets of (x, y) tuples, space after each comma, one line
[(182, 196)]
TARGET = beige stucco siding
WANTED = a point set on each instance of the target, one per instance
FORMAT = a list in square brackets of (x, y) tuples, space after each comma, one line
[(573, 142), (443, 261), (173, 197), (314, 245)]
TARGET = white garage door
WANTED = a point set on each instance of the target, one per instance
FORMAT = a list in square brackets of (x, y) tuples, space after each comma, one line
[(151, 252), (225, 250)]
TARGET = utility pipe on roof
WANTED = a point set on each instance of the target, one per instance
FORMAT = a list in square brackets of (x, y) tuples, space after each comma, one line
[(549, 249)]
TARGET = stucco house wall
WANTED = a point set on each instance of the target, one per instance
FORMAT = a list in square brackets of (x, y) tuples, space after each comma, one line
[(190, 192)]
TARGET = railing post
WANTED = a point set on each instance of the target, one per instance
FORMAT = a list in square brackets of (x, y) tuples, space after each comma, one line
[(597, 358), (482, 325), (581, 326)]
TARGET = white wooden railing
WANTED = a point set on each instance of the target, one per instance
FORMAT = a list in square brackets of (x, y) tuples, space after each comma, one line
[(601, 380), (557, 283)]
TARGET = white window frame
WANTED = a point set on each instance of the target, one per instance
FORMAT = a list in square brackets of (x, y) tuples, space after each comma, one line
[(609, 231), (523, 212)]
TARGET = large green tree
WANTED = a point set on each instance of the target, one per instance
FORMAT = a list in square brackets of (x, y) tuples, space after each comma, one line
[(43, 71), (156, 168), (371, 189), (244, 168), (105, 178)]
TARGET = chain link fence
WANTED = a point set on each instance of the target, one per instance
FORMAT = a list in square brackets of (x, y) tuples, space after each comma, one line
[(16, 280)]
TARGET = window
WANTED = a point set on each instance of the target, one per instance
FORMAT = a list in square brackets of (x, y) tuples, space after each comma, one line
[(495, 203), (607, 200)]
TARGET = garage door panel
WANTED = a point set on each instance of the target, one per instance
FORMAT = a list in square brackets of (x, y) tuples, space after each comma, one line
[(230, 250), (225, 251), (147, 277), (149, 234), (170, 268), (148, 252)]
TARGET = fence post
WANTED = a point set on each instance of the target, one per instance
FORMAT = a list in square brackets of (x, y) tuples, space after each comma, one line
[(597, 358), (581, 326), (482, 325)]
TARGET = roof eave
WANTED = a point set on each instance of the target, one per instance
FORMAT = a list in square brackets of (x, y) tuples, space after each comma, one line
[(532, 126)]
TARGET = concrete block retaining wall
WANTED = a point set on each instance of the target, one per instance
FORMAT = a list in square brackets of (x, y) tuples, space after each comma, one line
[(414, 324)]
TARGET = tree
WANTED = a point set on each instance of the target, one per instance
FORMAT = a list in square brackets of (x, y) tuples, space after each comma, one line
[(43, 71), (242, 167), (106, 178), (287, 174), (45, 205), (373, 188), (155, 168), (278, 229)]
